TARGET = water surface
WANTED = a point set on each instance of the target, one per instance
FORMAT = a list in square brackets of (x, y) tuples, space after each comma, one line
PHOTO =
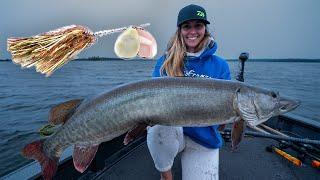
[(27, 96)]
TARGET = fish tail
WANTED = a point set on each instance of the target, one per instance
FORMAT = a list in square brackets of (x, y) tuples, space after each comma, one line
[(35, 151)]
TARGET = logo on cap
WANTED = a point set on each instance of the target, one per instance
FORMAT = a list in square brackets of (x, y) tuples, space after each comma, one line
[(200, 13)]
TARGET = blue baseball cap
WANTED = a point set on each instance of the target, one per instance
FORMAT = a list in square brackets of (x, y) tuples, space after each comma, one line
[(192, 12)]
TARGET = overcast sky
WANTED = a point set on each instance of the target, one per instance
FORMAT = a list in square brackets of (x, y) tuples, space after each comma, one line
[(265, 28)]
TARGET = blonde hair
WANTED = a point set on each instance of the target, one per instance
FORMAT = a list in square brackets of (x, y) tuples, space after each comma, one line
[(173, 65)]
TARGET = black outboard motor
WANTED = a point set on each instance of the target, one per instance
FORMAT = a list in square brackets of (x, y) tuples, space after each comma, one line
[(242, 58)]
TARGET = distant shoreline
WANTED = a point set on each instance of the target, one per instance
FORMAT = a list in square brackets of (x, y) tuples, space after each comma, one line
[(281, 60), (95, 59), (253, 60)]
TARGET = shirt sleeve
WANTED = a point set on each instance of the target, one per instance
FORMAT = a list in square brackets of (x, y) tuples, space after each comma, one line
[(226, 74), (156, 70)]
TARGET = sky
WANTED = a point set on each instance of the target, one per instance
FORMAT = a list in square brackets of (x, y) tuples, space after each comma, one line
[(264, 28)]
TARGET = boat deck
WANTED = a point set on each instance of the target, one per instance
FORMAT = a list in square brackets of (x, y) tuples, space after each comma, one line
[(250, 161)]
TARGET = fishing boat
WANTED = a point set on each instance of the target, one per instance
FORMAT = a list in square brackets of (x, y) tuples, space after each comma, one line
[(284, 147), (253, 160)]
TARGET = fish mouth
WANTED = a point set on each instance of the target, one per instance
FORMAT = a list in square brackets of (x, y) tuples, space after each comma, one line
[(287, 105)]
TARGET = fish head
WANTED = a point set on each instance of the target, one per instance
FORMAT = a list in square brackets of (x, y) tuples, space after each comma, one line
[(257, 105)]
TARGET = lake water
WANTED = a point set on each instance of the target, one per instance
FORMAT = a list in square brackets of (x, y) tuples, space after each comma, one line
[(26, 96)]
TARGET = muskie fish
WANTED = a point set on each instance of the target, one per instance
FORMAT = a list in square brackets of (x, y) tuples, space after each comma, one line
[(166, 101)]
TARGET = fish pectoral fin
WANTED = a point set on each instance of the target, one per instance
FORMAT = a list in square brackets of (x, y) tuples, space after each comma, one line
[(237, 133), (135, 132), (83, 155), (60, 113)]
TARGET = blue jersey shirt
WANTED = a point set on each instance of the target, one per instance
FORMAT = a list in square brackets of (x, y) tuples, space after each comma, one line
[(205, 65)]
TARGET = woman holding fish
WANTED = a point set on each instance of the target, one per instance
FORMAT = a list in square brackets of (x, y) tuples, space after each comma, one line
[(163, 102), (190, 53)]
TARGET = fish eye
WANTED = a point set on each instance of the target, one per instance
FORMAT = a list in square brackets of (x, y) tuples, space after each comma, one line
[(273, 94)]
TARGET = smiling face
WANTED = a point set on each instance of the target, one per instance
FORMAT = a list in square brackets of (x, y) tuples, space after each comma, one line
[(193, 32)]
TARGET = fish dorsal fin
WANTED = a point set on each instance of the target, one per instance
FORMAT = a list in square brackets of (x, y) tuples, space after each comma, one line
[(62, 112), (83, 155), (237, 133)]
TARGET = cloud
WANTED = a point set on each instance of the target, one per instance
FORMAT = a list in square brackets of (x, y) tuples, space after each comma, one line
[(265, 28)]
